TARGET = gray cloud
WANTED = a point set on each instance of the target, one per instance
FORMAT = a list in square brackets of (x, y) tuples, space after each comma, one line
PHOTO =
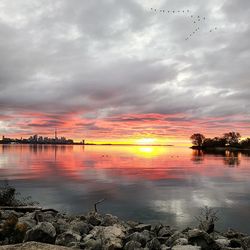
[(118, 57)]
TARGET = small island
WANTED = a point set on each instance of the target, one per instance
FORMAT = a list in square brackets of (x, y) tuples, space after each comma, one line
[(229, 141)]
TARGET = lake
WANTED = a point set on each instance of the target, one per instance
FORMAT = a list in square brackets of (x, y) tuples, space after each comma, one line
[(149, 184)]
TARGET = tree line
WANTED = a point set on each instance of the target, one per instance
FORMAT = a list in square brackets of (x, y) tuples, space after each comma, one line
[(231, 139)]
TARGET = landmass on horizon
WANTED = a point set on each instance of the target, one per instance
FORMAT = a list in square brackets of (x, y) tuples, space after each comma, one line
[(36, 139), (231, 141)]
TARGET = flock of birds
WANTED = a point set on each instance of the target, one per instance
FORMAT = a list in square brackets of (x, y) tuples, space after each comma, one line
[(196, 20)]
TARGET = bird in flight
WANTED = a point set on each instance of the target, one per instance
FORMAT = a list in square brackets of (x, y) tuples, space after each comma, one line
[(197, 20)]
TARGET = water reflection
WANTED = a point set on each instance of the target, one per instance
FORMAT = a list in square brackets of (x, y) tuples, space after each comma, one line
[(232, 159), (168, 184), (197, 156)]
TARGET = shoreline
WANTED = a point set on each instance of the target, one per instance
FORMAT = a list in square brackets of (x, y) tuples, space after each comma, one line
[(105, 231), (219, 148)]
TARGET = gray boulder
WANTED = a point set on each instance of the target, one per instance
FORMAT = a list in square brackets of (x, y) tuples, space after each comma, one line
[(94, 219), (49, 216), (138, 237), (173, 238), (154, 244), (112, 236), (230, 234), (33, 246), (66, 238), (142, 227), (245, 241), (8, 213), (181, 241), (92, 244), (109, 220), (80, 227), (187, 247), (234, 243), (165, 232), (61, 225), (43, 232), (164, 247), (163, 240), (29, 222), (157, 228), (200, 238), (231, 248), (132, 245), (222, 242)]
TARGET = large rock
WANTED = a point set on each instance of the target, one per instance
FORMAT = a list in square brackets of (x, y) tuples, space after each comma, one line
[(66, 238), (230, 234), (109, 220), (132, 245), (181, 241), (142, 227), (171, 240), (112, 236), (165, 232), (138, 237), (61, 225), (234, 243), (187, 247), (93, 244), (223, 242), (200, 238), (49, 216), (33, 246), (154, 244), (7, 213), (94, 219), (245, 242), (164, 247), (231, 248), (43, 232), (157, 228), (8, 232), (79, 227), (29, 222)]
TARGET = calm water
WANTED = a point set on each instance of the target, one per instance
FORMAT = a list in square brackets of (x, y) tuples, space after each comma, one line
[(150, 184)]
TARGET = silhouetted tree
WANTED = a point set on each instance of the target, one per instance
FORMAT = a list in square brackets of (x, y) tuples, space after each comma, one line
[(197, 139), (215, 142), (232, 138), (245, 143)]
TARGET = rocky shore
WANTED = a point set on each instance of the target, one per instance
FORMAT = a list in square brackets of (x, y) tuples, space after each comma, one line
[(52, 230)]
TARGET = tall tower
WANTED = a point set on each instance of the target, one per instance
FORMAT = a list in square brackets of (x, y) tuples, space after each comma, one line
[(55, 134)]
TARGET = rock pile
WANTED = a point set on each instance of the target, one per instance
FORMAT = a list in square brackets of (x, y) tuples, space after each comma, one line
[(96, 232)]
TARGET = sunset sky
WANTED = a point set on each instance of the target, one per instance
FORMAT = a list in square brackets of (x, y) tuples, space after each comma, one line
[(115, 71)]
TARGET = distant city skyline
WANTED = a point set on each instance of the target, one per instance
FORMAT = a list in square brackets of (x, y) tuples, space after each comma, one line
[(116, 71)]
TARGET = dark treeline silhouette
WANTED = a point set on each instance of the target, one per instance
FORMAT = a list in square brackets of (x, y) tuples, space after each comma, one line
[(228, 140)]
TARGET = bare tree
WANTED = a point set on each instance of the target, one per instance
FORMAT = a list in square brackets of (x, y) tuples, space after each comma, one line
[(197, 139), (232, 138), (207, 218)]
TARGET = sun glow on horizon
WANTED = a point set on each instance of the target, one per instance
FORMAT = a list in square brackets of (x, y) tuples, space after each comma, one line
[(145, 141)]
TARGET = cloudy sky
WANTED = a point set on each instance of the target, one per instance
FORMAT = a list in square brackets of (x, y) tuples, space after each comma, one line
[(115, 70)]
